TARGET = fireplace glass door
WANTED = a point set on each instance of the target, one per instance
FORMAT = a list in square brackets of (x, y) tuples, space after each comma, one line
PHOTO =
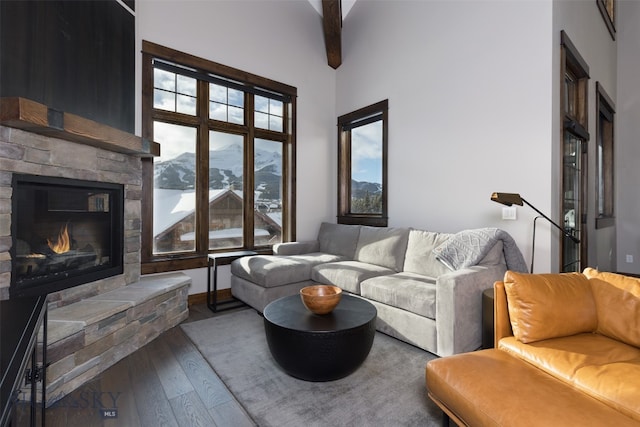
[(65, 233)]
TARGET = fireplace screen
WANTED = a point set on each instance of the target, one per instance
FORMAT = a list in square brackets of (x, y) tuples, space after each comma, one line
[(65, 233)]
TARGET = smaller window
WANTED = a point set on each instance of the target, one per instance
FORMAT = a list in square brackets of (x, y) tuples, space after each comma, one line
[(608, 12), (604, 160), (362, 166)]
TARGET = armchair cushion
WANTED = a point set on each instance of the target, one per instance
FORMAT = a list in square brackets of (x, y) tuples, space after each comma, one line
[(564, 305)]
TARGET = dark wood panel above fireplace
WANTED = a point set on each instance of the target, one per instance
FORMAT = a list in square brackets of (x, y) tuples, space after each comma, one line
[(75, 56)]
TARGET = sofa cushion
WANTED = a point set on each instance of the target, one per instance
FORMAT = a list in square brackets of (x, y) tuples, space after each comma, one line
[(420, 258), (269, 271), (543, 306), (598, 365), (409, 291), (315, 258), (610, 384), (347, 274), (338, 239), (491, 388), (563, 357), (617, 300), (382, 246)]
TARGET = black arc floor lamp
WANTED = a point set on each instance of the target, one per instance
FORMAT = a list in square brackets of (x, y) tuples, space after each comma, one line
[(509, 199)]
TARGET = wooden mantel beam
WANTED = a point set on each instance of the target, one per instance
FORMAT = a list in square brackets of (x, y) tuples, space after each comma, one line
[(332, 24), (32, 116)]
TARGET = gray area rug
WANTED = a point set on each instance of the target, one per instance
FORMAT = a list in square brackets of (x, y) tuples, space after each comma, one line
[(387, 390)]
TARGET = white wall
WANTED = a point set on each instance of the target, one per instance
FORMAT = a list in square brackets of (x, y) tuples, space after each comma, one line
[(473, 89), (469, 89), (280, 40), (628, 136)]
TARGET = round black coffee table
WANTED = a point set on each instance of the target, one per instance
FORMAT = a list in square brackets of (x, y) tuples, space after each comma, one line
[(320, 347)]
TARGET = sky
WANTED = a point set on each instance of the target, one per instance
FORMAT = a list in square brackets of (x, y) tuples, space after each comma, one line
[(366, 152)]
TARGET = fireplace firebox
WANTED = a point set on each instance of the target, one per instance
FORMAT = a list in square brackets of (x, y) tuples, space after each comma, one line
[(65, 232)]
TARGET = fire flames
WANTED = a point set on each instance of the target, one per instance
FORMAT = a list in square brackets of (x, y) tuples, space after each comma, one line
[(63, 244)]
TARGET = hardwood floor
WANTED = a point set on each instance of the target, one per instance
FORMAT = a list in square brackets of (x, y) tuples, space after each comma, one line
[(165, 383)]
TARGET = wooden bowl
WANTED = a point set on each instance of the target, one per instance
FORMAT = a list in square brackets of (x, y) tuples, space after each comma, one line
[(320, 299)]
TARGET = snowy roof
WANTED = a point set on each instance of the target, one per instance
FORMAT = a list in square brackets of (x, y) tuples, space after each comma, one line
[(227, 233), (172, 206)]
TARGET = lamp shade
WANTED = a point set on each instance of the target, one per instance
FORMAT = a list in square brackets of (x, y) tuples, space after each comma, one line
[(507, 198)]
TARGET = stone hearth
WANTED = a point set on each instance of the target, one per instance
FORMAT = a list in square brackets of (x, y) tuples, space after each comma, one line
[(93, 325)]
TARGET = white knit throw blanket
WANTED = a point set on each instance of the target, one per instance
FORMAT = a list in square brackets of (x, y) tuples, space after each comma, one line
[(469, 247)]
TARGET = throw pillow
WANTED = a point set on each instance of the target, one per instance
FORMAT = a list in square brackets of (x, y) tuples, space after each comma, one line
[(617, 300), (338, 239), (544, 306), (420, 258), (382, 246)]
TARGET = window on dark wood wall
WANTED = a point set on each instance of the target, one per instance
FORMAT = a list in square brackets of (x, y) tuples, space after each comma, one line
[(225, 177)]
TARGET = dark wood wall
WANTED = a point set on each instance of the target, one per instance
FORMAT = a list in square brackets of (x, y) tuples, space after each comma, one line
[(73, 56)]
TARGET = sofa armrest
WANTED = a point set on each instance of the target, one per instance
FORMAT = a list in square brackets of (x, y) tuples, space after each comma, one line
[(459, 307), (501, 322), (296, 248)]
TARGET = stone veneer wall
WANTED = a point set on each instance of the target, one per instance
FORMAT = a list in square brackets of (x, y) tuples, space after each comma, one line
[(29, 153), (93, 325)]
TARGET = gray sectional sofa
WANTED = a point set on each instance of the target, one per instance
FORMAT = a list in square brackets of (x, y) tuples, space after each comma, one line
[(426, 286)]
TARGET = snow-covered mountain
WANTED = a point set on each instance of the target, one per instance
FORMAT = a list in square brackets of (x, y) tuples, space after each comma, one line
[(225, 169)]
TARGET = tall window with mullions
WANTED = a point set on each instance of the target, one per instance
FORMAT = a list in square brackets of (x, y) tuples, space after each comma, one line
[(224, 178)]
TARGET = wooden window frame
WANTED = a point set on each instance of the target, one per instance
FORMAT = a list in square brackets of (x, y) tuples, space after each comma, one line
[(155, 263), (608, 10), (605, 166), (345, 123)]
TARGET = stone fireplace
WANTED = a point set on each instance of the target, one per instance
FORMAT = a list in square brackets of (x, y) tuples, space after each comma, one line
[(79, 183), (65, 232), (27, 153)]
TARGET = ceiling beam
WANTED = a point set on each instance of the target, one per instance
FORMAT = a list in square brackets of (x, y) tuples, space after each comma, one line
[(332, 25)]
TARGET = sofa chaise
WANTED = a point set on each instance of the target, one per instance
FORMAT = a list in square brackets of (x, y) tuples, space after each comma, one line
[(426, 286), (567, 353)]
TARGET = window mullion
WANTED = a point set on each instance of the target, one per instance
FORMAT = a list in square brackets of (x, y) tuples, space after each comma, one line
[(249, 181), (287, 158), (202, 171)]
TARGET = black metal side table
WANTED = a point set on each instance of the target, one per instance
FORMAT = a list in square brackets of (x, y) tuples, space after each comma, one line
[(212, 300)]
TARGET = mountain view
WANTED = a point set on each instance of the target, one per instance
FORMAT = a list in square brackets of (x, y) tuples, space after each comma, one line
[(366, 197), (225, 171), (360, 189)]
